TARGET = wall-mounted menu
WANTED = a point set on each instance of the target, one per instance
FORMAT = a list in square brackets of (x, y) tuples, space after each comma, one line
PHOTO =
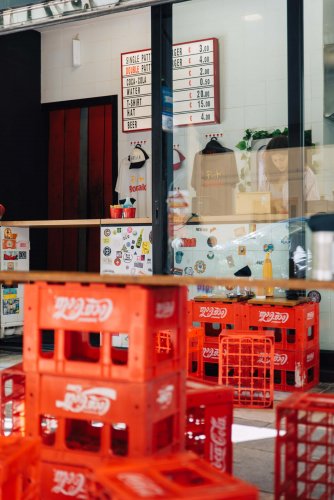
[(195, 86)]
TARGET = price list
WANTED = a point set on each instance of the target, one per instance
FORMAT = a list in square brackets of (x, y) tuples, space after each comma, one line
[(195, 86)]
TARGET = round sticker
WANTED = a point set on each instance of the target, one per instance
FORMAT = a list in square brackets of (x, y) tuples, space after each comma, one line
[(107, 251), (210, 255), (200, 266), (107, 232), (189, 271), (212, 241), (314, 295), (129, 229), (117, 262)]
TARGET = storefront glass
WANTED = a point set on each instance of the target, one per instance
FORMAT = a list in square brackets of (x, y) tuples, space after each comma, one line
[(229, 196)]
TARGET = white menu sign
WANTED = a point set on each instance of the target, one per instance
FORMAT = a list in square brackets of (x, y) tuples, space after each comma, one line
[(195, 86)]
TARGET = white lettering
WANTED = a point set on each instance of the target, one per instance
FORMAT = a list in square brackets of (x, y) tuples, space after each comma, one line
[(82, 309), (273, 317), (70, 484), (95, 401), (212, 312), (164, 310)]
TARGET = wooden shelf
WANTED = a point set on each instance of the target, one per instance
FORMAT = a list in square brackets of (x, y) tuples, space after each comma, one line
[(8, 277)]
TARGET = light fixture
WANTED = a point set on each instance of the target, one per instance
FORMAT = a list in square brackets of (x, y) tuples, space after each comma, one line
[(76, 56), (253, 17)]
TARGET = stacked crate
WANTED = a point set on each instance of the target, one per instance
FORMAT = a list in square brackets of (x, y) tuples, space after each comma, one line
[(296, 330), (305, 447), (91, 401), (19, 468), (181, 475), (209, 419), (246, 363), (12, 400), (214, 317)]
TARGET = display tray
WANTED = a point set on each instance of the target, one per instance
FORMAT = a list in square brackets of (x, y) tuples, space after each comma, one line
[(219, 298), (278, 301)]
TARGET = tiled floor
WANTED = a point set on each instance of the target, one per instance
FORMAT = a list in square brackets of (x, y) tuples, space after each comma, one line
[(253, 436)]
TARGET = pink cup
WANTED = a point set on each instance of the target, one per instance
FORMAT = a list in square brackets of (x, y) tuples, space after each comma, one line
[(129, 213)]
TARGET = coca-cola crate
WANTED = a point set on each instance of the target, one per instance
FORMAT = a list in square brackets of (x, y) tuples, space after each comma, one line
[(195, 341), (12, 405), (217, 316), (105, 418), (64, 480), (246, 362), (295, 327), (84, 322), (209, 423), (210, 359), (19, 468), (296, 371), (182, 475), (304, 447)]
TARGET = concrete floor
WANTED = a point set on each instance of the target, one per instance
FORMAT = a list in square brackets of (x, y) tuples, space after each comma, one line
[(253, 437)]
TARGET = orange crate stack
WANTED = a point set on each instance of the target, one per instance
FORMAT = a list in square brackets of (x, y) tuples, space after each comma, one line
[(181, 475), (296, 330), (209, 423), (91, 398), (12, 400), (19, 468), (246, 363)]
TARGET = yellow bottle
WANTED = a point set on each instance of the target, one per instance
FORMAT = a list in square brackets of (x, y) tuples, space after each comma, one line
[(267, 273)]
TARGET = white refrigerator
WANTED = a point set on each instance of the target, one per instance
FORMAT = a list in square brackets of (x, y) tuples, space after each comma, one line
[(15, 250)]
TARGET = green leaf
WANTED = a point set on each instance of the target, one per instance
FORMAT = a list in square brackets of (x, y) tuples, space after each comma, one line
[(241, 145)]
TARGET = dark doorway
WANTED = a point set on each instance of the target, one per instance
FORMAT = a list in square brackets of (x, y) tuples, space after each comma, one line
[(82, 171)]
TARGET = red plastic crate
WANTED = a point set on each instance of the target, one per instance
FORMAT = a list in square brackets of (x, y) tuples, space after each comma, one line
[(305, 447), (210, 359), (295, 327), (64, 480), (195, 341), (182, 475), (246, 362), (12, 404), (105, 418), (19, 468), (209, 423), (296, 371), (75, 315), (223, 315)]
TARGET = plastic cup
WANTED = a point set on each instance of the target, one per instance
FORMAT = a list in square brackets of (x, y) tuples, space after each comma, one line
[(129, 212), (116, 212)]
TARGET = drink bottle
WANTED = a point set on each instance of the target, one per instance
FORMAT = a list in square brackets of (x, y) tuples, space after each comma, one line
[(267, 273), (140, 239)]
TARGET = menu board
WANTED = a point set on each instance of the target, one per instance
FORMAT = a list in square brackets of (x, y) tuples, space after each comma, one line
[(195, 86)]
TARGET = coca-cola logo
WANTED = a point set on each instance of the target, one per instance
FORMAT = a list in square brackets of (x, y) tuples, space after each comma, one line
[(143, 485), (218, 442), (164, 310), (95, 400), (212, 312), (280, 359), (273, 317), (70, 484), (210, 352), (310, 316), (82, 309), (310, 357), (165, 396)]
